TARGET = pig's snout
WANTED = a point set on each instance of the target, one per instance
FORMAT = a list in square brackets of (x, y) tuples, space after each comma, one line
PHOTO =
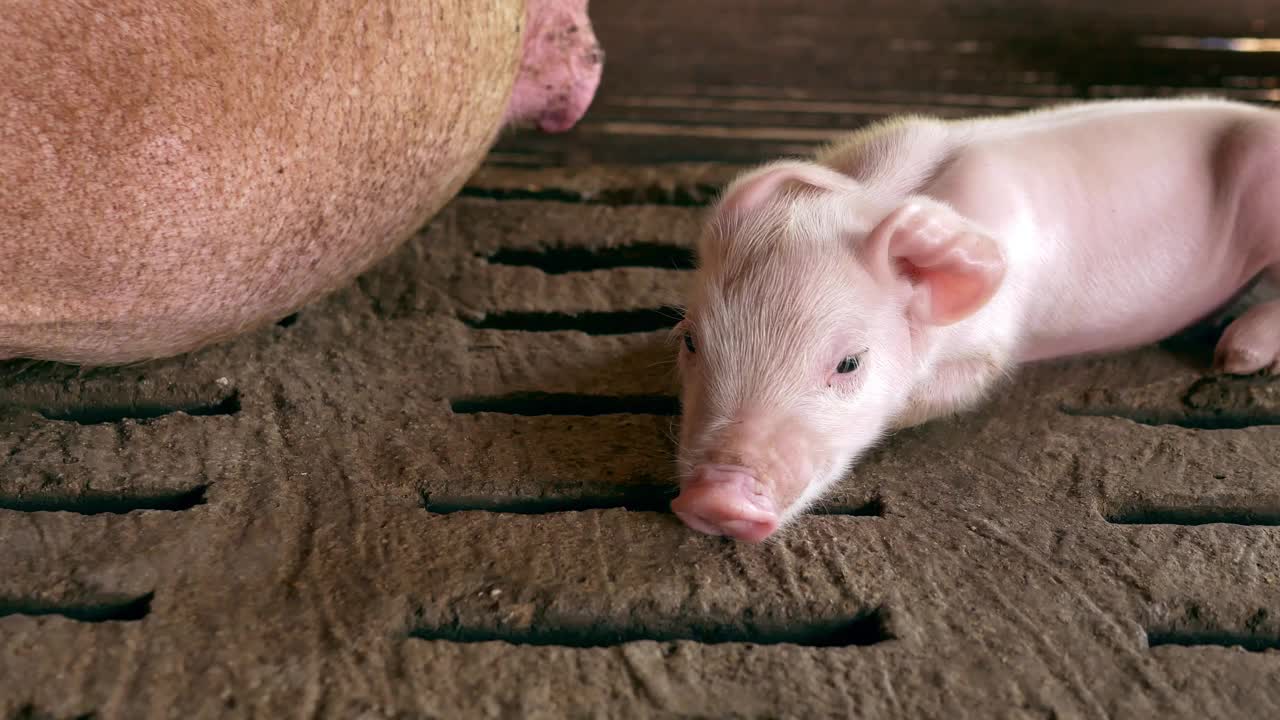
[(726, 500), (560, 67)]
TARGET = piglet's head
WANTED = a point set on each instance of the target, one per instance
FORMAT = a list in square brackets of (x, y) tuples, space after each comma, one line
[(812, 305)]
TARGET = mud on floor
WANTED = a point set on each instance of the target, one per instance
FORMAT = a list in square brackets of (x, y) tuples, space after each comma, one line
[(441, 493)]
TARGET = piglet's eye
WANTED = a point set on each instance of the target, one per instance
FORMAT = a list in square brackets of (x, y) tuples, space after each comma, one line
[(688, 342), (849, 364)]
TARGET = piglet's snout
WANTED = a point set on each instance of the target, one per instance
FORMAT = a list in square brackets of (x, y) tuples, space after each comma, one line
[(726, 500)]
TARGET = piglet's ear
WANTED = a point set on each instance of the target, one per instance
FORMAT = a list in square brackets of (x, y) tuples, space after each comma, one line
[(752, 189), (953, 267)]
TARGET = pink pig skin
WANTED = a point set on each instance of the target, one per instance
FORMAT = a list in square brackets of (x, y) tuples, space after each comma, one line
[(560, 68), (927, 259)]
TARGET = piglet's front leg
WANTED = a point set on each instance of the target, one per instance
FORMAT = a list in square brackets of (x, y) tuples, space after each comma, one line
[(955, 386), (1252, 343)]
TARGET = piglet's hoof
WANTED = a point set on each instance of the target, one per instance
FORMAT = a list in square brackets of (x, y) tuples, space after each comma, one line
[(1251, 344)]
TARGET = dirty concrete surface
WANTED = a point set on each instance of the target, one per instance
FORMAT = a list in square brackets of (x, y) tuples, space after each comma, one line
[(441, 491)]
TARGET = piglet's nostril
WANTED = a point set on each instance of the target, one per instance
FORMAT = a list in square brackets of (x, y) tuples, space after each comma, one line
[(726, 500)]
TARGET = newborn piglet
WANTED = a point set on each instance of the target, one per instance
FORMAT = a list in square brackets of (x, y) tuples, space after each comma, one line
[(904, 270)]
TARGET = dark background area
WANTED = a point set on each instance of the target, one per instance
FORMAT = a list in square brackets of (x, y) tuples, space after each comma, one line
[(747, 80)]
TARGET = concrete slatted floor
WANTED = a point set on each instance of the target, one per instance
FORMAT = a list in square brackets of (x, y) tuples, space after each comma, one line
[(440, 493)]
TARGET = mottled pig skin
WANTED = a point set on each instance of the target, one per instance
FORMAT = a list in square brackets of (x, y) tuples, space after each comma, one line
[(173, 174), (559, 68), (908, 267)]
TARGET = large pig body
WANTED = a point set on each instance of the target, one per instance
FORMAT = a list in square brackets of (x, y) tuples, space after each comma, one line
[(174, 173), (910, 266)]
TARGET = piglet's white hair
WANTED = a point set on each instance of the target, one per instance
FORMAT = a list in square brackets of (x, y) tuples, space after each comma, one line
[(792, 201), (763, 312)]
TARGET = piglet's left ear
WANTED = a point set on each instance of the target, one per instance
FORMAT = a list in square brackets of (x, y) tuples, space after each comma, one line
[(953, 267)]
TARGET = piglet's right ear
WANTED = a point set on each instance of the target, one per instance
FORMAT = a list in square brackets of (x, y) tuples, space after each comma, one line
[(752, 189)]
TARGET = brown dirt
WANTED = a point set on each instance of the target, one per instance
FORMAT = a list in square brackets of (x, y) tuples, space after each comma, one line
[(440, 493)]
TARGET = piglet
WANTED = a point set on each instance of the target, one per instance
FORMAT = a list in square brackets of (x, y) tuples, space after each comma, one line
[(908, 267)]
